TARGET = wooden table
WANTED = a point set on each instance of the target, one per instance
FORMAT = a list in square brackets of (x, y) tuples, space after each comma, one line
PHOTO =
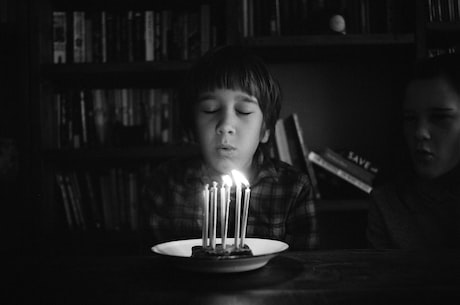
[(317, 277)]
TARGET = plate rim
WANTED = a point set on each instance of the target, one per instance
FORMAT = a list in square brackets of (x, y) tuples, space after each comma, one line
[(222, 264)]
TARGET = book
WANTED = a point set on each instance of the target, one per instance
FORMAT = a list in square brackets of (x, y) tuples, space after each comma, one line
[(362, 162), (76, 191), (149, 36), (299, 150), (65, 200), (330, 167), (59, 37), (349, 166), (79, 37), (93, 200), (205, 28), (292, 148), (282, 147)]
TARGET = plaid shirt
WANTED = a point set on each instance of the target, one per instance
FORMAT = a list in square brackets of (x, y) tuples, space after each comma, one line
[(281, 203)]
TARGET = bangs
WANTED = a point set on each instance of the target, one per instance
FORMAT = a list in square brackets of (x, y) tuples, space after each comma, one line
[(230, 76)]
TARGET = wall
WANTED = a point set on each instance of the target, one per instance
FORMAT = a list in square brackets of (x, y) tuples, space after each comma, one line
[(346, 105)]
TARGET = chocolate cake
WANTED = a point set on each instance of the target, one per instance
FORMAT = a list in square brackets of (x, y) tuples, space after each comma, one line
[(229, 251)]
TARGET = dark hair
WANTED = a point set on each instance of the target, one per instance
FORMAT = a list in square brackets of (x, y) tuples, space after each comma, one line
[(232, 67), (446, 67)]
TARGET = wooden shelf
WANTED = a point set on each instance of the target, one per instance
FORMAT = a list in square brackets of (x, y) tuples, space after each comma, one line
[(122, 67), (331, 40), (162, 74), (443, 26), (334, 47), (130, 153)]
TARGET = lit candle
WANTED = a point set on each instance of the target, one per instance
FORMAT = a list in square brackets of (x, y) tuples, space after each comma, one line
[(213, 214), (227, 182), (244, 224), (205, 224), (222, 211), (237, 178)]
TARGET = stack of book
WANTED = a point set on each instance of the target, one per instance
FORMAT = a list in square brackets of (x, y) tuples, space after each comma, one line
[(350, 167), (332, 174)]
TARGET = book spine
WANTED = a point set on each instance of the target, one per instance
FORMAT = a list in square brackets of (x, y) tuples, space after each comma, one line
[(89, 31), (93, 201), (79, 37), (59, 37), (320, 161), (205, 28), (133, 201), (149, 36), (305, 150), (103, 36), (65, 200), (281, 142), (84, 128), (348, 166), (362, 162)]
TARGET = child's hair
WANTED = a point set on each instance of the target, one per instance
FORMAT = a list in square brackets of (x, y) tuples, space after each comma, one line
[(446, 67), (232, 67)]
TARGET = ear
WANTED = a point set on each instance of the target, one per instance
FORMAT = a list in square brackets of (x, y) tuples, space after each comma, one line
[(265, 136)]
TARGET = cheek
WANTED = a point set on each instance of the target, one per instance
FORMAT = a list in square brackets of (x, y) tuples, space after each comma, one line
[(454, 147)]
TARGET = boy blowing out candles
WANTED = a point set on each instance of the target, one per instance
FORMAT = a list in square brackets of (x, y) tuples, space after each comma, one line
[(230, 103)]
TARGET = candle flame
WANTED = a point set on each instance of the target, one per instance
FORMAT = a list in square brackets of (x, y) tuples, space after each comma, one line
[(227, 181), (239, 178)]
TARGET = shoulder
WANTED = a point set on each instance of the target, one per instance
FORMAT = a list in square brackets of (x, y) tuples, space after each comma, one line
[(283, 175), (393, 194)]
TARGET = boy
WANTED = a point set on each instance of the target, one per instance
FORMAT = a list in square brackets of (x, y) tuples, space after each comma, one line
[(231, 103)]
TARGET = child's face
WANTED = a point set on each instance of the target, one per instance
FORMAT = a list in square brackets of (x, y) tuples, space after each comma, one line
[(230, 126), (432, 126)]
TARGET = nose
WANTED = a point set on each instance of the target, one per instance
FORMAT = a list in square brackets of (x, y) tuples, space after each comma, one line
[(422, 130), (226, 124)]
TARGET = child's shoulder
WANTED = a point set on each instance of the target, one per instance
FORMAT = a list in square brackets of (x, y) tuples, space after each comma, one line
[(285, 172)]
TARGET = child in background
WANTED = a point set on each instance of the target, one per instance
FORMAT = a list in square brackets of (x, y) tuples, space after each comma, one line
[(421, 209), (231, 103)]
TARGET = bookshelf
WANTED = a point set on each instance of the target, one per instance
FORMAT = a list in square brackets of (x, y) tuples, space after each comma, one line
[(107, 115), (390, 37), (438, 27)]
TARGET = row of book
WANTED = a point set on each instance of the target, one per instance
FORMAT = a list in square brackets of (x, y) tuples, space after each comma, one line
[(304, 17), (100, 201), (432, 52), (133, 35), (113, 117), (443, 10), (332, 174)]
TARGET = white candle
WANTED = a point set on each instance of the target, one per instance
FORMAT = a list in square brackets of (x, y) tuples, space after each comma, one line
[(237, 214), (239, 179), (244, 224), (213, 214), (227, 182), (222, 212), (205, 223)]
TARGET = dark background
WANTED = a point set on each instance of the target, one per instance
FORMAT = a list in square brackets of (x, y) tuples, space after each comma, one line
[(343, 103)]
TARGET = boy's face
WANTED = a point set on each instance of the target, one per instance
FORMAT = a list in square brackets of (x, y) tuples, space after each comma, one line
[(432, 126), (229, 126)]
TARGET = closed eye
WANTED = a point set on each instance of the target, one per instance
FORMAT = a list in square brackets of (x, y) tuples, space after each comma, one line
[(243, 112)]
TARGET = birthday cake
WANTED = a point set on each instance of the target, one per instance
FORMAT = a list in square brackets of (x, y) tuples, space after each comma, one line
[(219, 251)]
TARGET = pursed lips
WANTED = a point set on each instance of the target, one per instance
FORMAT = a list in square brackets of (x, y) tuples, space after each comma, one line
[(225, 149), (423, 154)]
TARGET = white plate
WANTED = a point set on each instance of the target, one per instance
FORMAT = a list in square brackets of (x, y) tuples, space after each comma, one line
[(180, 254)]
